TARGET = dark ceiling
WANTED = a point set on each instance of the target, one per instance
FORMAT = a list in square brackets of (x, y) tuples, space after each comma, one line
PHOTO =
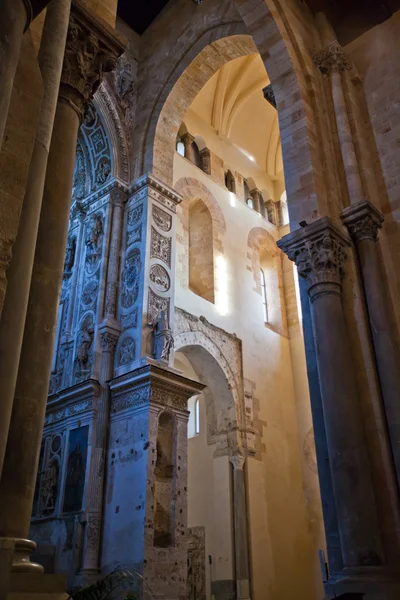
[(140, 13)]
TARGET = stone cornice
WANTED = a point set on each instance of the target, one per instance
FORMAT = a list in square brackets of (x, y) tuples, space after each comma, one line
[(332, 59), (92, 49), (363, 220), (149, 180), (318, 250)]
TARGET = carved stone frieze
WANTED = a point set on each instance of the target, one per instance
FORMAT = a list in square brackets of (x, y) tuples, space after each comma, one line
[(150, 186), (160, 278), (363, 220), (319, 252), (162, 219), (332, 59), (91, 50), (156, 305), (131, 399), (160, 247), (135, 215), (74, 409), (108, 341)]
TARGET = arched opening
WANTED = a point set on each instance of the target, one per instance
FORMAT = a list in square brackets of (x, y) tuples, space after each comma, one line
[(230, 182), (201, 252), (210, 495)]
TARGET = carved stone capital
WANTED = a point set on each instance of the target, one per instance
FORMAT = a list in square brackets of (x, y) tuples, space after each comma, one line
[(269, 95), (332, 59), (363, 221), (187, 139), (92, 49), (108, 341), (318, 250), (237, 461), (118, 197)]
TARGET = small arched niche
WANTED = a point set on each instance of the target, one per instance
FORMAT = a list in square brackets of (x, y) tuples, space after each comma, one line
[(201, 251), (164, 480)]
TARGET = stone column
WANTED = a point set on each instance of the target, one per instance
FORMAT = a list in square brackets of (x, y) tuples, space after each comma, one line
[(258, 201), (15, 18), (240, 524), (110, 331), (188, 140), (51, 56), (206, 158), (91, 50), (319, 253), (363, 221), (333, 61)]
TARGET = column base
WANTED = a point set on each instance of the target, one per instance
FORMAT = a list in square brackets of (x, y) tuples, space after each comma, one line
[(364, 583), (28, 586)]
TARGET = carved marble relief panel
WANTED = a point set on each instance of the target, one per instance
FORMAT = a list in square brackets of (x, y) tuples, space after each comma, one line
[(131, 272), (162, 219), (160, 247), (76, 469), (98, 148), (157, 304), (49, 475)]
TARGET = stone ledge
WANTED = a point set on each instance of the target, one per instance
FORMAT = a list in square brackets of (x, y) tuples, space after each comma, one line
[(30, 586)]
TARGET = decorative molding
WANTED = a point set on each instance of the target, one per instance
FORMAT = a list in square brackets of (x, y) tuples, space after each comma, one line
[(332, 59), (363, 220), (150, 185), (91, 50), (318, 250)]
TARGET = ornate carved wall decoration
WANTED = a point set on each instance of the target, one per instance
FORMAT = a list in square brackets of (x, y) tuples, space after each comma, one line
[(162, 219), (160, 247), (76, 469), (130, 278), (84, 351), (196, 576), (135, 215), (89, 292), (50, 476), (94, 240), (103, 171), (70, 256), (156, 305), (160, 278), (79, 183), (129, 320), (126, 353), (134, 236)]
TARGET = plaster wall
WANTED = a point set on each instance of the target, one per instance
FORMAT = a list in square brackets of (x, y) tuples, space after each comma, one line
[(283, 550)]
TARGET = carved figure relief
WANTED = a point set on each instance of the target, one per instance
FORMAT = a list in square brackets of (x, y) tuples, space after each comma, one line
[(94, 239), (79, 183), (69, 257), (163, 338), (162, 219), (156, 305), (135, 215), (103, 170), (160, 247), (126, 352), (134, 236), (82, 365), (49, 486), (130, 278), (160, 278)]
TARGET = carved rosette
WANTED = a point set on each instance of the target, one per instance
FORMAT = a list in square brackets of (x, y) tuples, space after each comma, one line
[(91, 50), (332, 59), (319, 252), (108, 341), (363, 221)]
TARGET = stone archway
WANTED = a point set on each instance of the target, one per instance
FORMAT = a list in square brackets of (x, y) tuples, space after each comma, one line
[(280, 40)]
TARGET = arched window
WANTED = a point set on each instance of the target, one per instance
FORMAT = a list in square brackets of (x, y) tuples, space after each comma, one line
[(196, 156), (197, 416), (180, 146), (230, 183), (201, 252), (247, 195), (264, 295)]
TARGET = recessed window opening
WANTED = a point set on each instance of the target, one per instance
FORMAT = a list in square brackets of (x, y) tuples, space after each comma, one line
[(197, 416), (180, 148), (264, 295), (230, 183)]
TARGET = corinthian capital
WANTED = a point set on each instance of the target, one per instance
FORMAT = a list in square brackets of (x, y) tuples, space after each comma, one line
[(332, 59), (318, 250), (91, 50), (363, 221), (108, 341)]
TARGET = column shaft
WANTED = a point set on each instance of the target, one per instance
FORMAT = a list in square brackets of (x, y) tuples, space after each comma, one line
[(240, 524), (19, 274), (78, 253), (15, 15)]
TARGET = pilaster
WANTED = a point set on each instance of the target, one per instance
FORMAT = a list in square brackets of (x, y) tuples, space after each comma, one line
[(147, 272)]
